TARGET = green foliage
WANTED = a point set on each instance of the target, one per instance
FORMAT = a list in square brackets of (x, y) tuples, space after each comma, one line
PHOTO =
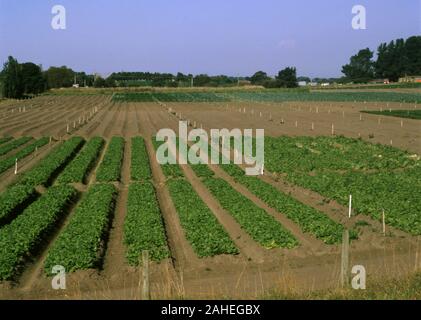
[(409, 114), (9, 162), (54, 161), (79, 245), (5, 139), (59, 77), (307, 218), (378, 177), (13, 145), (287, 78), (205, 234), (110, 168), (22, 236), (361, 67), (140, 168), (13, 198), (261, 226), (77, 170), (169, 170), (143, 226)]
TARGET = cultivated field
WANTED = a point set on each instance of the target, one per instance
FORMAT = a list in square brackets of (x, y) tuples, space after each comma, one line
[(89, 194)]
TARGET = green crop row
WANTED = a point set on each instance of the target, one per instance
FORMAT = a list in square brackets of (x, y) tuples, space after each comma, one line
[(13, 145), (56, 159), (409, 114), (22, 237), (77, 170), (170, 170), (110, 168), (307, 218), (140, 168), (10, 161), (205, 234), (143, 226), (5, 139), (261, 226), (79, 245), (378, 177), (12, 199)]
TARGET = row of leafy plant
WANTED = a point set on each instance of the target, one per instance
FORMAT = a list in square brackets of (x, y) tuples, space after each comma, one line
[(379, 177), (13, 198), (170, 170), (110, 167), (307, 218), (261, 226), (9, 162), (22, 237), (409, 114), (140, 168), (5, 139), (79, 245), (14, 144), (78, 169), (143, 225), (42, 173), (206, 235)]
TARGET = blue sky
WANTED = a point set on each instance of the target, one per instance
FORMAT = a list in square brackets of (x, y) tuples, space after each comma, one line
[(235, 37)]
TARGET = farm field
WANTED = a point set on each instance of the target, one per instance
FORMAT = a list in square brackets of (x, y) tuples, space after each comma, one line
[(89, 194)]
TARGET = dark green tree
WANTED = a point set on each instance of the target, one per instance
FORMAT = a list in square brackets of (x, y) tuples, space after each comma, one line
[(12, 79), (361, 67), (60, 77), (33, 80), (259, 78), (287, 78)]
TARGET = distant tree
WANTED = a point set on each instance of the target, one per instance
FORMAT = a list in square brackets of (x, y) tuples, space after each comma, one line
[(202, 80), (259, 78), (306, 79), (33, 80), (100, 82), (60, 77), (288, 77), (361, 67), (413, 56), (12, 79)]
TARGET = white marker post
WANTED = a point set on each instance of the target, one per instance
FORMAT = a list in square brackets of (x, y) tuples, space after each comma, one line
[(384, 223), (262, 169), (333, 129), (350, 206), (16, 166)]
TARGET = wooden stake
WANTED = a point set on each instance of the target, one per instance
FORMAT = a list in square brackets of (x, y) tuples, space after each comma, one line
[(145, 275), (345, 258), (384, 223), (333, 129), (16, 166)]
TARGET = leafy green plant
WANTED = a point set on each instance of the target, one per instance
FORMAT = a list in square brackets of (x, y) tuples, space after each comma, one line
[(13, 145), (53, 162), (143, 226), (110, 167), (169, 170), (261, 226), (9, 162), (78, 246), (203, 231), (20, 238), (79, 167), (13, 198), (5, 139), (140, 168)]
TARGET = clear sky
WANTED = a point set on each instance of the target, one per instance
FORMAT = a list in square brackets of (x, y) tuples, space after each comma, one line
[(234, 37)]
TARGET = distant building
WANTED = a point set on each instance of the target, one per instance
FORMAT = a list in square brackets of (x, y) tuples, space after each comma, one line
[(325, 84), (76, 85), (410, 79), (302, 83), (313, 84)]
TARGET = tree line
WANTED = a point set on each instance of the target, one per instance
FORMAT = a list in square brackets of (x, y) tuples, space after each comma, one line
[(396, 59)]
